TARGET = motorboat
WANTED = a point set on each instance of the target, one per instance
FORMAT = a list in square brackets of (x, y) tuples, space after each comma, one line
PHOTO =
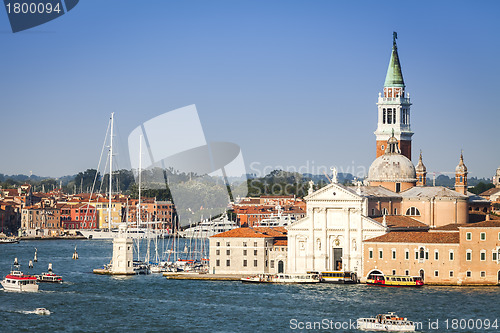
[(49, 276), (282, 278), (386, 322), (42, 311), (18, 281), (9, 240), (395, 280)]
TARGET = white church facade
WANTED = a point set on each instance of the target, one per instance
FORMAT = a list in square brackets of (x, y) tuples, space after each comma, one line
[(331, 236)]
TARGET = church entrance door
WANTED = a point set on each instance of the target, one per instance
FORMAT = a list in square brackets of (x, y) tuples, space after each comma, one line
[(280, 267), (337, 258)]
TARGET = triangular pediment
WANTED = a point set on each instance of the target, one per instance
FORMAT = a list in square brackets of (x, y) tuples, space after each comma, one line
[(334, 192)]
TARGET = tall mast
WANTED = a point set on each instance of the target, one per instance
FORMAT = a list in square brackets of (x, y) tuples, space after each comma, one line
[(140, 172), (110, 171)]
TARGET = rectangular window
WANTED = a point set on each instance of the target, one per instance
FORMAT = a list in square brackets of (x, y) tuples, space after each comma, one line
[(436, 255), (244, 263), (451, 273), (228, 252), (468, 236), (483, 274), (244, 252), (228, 263), (393, 255), (482, 236), (370, 254), (469, 256), (254, 252), (436, 273), (217, 252), (427, 255), (244, 244), (217, 262), (217, 244), (254, 244), (393, 272), (407, 255), (389, 116), (483, 256), (385, 116), (380, 254), (228, 244), (416, 255), (452, 256), (255, 263), (407, 272), (495, 256), (469, 273)]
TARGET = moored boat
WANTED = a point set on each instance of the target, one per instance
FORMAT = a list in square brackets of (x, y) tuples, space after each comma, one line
[(282, 278), (339, 277), (386, 322), (395, 280)]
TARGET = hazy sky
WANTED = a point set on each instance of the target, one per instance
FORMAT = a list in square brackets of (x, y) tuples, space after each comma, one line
[(294, 83)]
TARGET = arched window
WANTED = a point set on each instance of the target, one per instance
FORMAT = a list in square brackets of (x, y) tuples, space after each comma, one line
[(412, 211), (422, 253), (385, 211)]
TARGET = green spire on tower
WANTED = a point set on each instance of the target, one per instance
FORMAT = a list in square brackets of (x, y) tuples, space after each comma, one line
[(394, 77)]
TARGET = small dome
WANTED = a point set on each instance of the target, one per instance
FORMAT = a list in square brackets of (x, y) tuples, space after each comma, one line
[(420, 168), (461, 168), (392, 168)]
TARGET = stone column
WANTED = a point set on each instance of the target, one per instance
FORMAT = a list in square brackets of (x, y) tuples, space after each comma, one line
[(346, 256)]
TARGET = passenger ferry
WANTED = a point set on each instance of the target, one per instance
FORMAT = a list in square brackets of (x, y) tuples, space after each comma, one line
[(387, 323), (17, 281), (395, 280), (49, 276), (282, 278), (339, 277)]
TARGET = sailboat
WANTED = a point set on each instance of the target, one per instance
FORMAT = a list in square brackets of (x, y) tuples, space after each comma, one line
[(111, 231)]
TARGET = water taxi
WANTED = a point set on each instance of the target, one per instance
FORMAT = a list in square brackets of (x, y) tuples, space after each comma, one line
[(17, 281), (282, 278), (339, 277), (387, 323), (42, 311), (395, 280), (49, 276)]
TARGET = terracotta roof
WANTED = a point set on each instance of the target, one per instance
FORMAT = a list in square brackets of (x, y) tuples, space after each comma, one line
[(417, 237), (399, 221), (448, 227), (485, 224), (491, 191), (260, 232), (280, 242)]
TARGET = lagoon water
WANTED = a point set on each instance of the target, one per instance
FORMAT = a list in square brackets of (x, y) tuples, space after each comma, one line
[(93, 303)]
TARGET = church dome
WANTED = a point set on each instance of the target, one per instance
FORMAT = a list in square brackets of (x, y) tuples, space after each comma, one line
[(392, 166)]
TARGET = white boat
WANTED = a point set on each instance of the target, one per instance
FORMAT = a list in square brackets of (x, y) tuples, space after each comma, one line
[(42, 311), (9, 240), (282, 278), (49, 276), (386, 322), (278, 220), (17, 281), (209, 228)]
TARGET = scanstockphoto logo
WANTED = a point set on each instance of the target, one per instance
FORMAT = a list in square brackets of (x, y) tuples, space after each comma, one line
[(171, 151), (26, 14)]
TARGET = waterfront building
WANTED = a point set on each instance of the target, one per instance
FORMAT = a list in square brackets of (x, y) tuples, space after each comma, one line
[(251, 211), (40, 221), (463, 254), (248, 251)]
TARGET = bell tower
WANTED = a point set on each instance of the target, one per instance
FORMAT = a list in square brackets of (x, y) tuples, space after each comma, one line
[(394, 108), (461, 176)]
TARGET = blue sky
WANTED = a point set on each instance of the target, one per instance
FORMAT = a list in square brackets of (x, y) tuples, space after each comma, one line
[(294, 83)]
